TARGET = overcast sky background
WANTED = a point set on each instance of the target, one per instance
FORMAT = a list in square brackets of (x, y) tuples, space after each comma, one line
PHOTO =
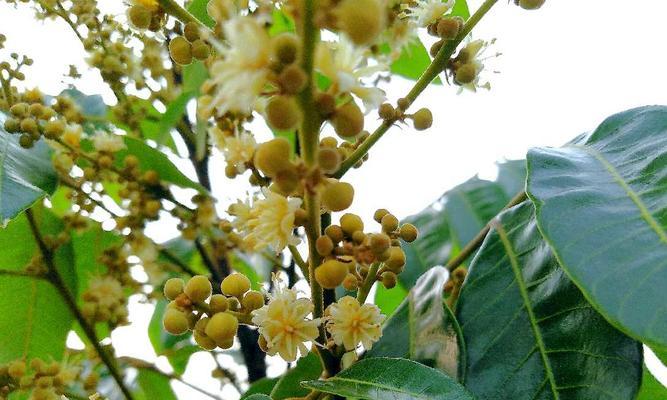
[(563, 70)]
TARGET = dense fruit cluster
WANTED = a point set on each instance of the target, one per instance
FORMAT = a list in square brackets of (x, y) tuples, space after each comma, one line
[(44, 380)]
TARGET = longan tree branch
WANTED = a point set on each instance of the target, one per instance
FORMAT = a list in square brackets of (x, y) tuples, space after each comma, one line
[(54, 277), (434, 69), (175, 10)]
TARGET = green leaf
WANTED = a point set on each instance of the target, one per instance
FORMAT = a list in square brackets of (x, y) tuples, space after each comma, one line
[(257, 397), (460, 9), (150, 158), (91, 105), (262, 386), (153, 385), (194, 76), (172, 115), (26, 175), (34, 319), (422, 328), (198, 9), (529, 332), (456, 218), (281, 23), (602, 206), (254, 266), (391, 378), (651, 388), (149, 121), (307, 368), (413, 61), (388, 300)]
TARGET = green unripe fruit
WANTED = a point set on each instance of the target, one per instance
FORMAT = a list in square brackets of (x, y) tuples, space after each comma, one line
[(396, 260), (324, 245), (379, 214), (252, 300), (235, 285), (180, 50), (285, 47), (273, 156), (361, 20), (334, 232), (531, 4), (389, 223), (329, 160), (283, 113), (204, 341), (175, 321), (348, 120), (331, 274), (465, 74), (388, 279), (292, 79), (173, 288), (222, 327), (338, 196), (422, 119), (191, 31), (408, 232), (140, 17), (198, 288), (200, 49), (379, 243), (351, 223), (218, 303)]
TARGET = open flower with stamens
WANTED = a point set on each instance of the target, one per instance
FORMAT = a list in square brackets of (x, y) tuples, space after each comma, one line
[(269, 222), (472, 56), (284, 325), (108, 142), (351, 323), (241, 72), (426, 12), (237, 149), (345, 64)]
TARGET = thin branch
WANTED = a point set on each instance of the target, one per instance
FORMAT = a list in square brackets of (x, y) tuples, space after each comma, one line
[(296, 256), (437, 66), (57, 281), (20, 274)]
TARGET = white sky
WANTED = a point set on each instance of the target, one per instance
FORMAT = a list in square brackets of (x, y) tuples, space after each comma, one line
[(563, 70)]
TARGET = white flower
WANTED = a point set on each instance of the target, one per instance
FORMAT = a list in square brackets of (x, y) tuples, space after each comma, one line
[(72, 135), (269, 222), (105, 291), (399, 35), (345, 64), (425, 12), (284, 325), (241, 73), (474, 52), (351, 323), (108, 142), (238, 149)]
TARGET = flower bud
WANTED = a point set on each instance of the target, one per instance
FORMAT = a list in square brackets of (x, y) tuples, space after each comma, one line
[(285, 47), (348, 120), (175, 321), (388, 279), (531, 4), (235, 285), (361, 20), (204, 341), (283, 113), (351, 282), (389, 223), (379, 243), (218, 303), (180, 50), (422, 119), (379, 214), (324, 245), (191, 31), (338, 196), (408, 232), (396, 260), (331, 274), (329, 159), (252, 300), (198, 288), (139, 16), (287, 180), (292, 79), (173, 288), (448, 28), (222, 327), (334, 232), (387, 112), (273, 156), (200, 49), (465, 74), (351, 223)]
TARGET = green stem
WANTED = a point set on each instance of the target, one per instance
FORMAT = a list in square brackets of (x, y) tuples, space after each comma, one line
[(365, 288), (54, 277), (298, 260), (437, 66), (175, 10)]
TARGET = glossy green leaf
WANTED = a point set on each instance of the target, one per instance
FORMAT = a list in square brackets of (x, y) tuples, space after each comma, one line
[(391, 378), (26, 175), (281, 22), (602, 205), (452, 221), (149, 122), (651, 388), (307, 368), (198, 9), (151, 158), (413, 61), (153, 385), (460, 9), (262, 386), (422, 327), (194, 76), (529, 332), (34, 319), (388, 300), (172, 115), (90, 105)]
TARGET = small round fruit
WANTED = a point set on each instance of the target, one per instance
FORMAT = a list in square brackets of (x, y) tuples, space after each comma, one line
[(408, 232), (388, 279), (422, 119), (283, 113), (173, 287), (235, 285), (175, 321), (351, 223), (180, 50), (338, 196), (389, 223), (218, 303), (222, 327), (198, 288), (331, 274), (252, 300), (348, 120), (273, 156)]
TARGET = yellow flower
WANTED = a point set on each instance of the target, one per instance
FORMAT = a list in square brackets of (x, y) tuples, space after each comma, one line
[(427, 11), (241, 73), (351, 323), (269, 222), (238, 149), (284, 325), (72, 135), (108, 142)]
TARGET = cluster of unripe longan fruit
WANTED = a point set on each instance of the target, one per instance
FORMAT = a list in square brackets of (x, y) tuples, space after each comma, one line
[(213, 318), (47, 381), (348, 252), (190, 46)]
